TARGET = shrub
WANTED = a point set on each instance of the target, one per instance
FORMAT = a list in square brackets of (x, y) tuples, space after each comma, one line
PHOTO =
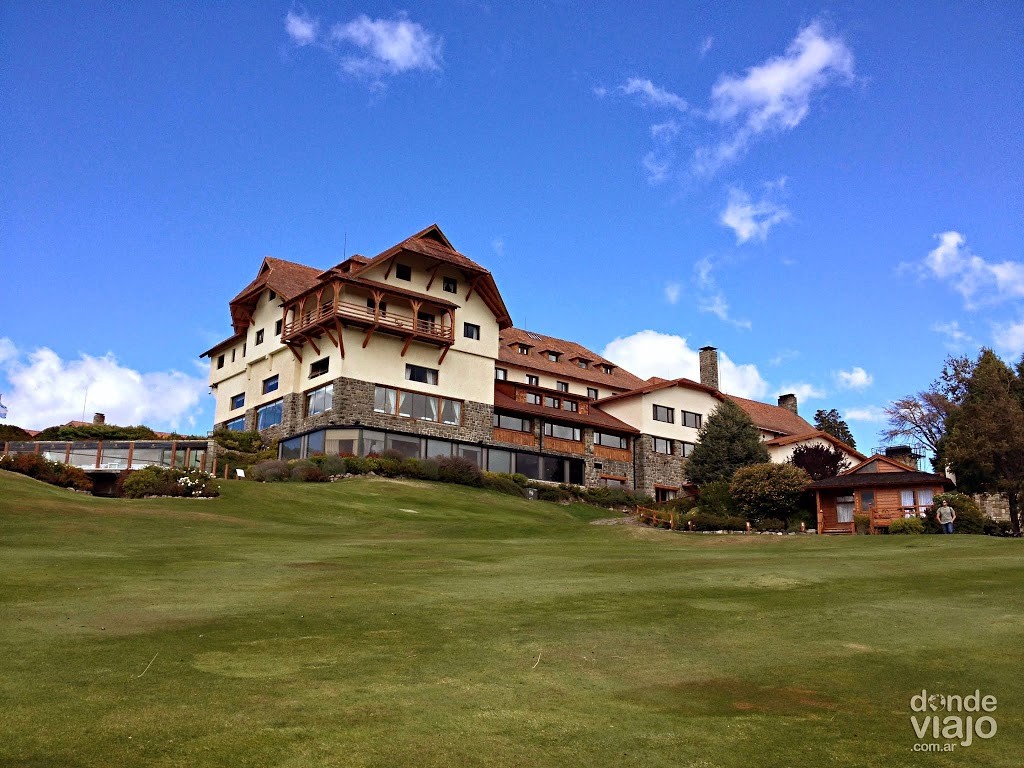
[(969, 517), (766, 491), (305, 471), (270, 471), (389, 463), (44, 470), (428, 469), (715, 499), (770, 524), (502, 483), (997, 527), (614, 498), (519, 479), (456, 469), (681, 504), (862, 523), (704, 521), (329, 465), (906, 525), (557, 495), (160, 481), (359, 465)]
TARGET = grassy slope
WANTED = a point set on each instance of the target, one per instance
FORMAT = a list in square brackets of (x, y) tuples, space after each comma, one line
[(375, 622)]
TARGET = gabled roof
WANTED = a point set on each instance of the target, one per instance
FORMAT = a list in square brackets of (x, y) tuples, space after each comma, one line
[(655, 384), (859, 476), (286, 278), (773, 418), (791, 439), (618, 379)]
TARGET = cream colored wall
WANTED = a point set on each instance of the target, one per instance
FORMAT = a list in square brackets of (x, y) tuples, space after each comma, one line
[(639, 411), (550, 381)]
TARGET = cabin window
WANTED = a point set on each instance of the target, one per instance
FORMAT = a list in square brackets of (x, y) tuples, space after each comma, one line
[(450, 284), (238, 401), (907, 499), (925, 497), (319, 400), (844, 509), (270, 385), (867, 500), (689, 419), (403, 272), (420, 374)]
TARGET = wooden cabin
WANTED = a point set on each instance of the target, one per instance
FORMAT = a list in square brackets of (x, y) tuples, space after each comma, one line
[(881, 488)]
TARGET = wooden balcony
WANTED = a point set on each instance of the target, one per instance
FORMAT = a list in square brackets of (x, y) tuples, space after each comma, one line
[(526, 439), (315, 320), (565, 446), (613, 454)]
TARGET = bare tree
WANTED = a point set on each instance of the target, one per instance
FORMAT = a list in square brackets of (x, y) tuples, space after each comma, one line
[(922, 417)]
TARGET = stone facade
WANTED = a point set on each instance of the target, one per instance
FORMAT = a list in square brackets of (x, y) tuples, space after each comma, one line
[(657, 468), (994, 505)]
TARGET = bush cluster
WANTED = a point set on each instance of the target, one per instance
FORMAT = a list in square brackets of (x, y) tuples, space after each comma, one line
[(698, 520), (906, 525), (161, 481), (52, 472)]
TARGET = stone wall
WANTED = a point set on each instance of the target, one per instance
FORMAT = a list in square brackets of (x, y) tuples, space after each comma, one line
[(657, 468), (994, 505)]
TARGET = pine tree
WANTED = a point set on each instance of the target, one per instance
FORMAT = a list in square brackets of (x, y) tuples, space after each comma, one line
[(830, 421), (727, 441)]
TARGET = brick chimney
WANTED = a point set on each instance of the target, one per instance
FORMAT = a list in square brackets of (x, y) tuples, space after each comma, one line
[(709, 367), (99, 418), (788, 402)]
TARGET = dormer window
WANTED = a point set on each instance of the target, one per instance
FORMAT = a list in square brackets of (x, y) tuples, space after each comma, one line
[(403, 272), (523, 349), (553, 356), (606, 369)]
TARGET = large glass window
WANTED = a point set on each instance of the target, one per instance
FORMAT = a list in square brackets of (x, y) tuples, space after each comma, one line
[(270, 385), (663, 413), (373, 442), (562, 431), (528, 464), (473, 453), (610, 441), (315, 442), (661, 445), (269, 415), (451, 411), (236, 425), (407, 446), (503, 421), (416, 406), (319, 400), (342, 442), (690, 419), (554, 469), (385, 400), (291, 449), (499, 461), (438, 448), (420, 374)]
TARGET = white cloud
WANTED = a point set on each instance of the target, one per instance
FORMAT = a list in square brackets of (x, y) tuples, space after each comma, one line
[(870, 413), (773, 96), (857, 378), (974, 278), (657, 166), (301, 28), (706, 44), (1009, 338), (653, 95), (650, 353), (749, 219), (47, 390), (712, 300), (672, 291), (498, 246), (783, 356), (956, 337), (665, 131), (389, 45), (802, 390)]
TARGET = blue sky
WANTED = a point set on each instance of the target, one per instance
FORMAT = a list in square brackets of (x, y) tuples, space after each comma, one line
[(830, 193)]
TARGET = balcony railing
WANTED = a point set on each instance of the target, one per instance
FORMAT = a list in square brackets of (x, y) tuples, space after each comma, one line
[(367, 316)]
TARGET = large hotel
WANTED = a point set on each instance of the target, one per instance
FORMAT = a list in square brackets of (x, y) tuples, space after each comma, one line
[(413, 350)]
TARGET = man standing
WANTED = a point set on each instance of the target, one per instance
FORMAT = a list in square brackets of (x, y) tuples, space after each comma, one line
[(945, 515)]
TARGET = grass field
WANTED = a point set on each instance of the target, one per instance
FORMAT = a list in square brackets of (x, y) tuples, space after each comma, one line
[(376, 622)]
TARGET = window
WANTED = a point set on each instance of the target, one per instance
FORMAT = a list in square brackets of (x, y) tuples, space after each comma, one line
[(553, 356), (319, 368), (471, 331), (561, 431), (533, 381), (524, 349), (663, 494), (403, 272), (551, 402), (450, 284), (867, 500), (612, 482), (907, 499), (610, 441), (451, 411), (232, 355), (592, 393), (243, 348), (533, 398), (606, 368), (272, 296), (268, 415), (661, 413), (501, 374), (413, 405), (581, 364), (570, 405), (220, 361), (844, 508), (259, 337), (370, 305), (385, 400), (688, 449), (420, 374), (661, 445), (277, 327), (501, 421), (425, 321), (235, 425), (319, 400), (238, 401), (562, 386), (688, 419), (270, 385)]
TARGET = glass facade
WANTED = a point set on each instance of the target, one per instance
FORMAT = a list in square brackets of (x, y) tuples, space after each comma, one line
[(269, 415)]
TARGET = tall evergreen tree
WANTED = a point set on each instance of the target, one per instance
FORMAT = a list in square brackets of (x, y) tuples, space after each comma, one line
[(830, 421), (984, 441), (727, 441)]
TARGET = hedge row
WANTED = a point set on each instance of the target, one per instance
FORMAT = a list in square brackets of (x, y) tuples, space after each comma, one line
[(52, 472)]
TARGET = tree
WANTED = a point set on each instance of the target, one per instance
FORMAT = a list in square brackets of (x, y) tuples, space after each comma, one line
[(766, 491), (984, 439), (819, 461), (922, 417), (727, 441), (830, 421), (9, 432)]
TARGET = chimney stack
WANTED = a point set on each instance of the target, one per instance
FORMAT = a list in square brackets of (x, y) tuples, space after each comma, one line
[(709, 367), (99, 418), (788, 402)]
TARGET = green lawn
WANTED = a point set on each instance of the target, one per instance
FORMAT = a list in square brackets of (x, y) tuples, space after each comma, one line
[(376, 622)]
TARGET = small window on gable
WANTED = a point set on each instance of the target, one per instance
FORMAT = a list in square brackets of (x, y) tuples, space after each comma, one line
[(319, 368), (524, 349), (471, 331), (259, 336), (273, 295), (220, 361), (606, 368), (277, 327), (553, 356), (450, 284), (232, 355), (403, 272)]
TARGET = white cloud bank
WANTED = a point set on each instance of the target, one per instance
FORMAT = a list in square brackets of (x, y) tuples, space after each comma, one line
[(869, 413), (385, 46), (1009, 338), (650, 353), (977, 280), (750, 220), (802, 390), (46, 390), (857, 378)]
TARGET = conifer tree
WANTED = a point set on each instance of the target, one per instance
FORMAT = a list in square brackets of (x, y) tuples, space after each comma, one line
[(727, 441)]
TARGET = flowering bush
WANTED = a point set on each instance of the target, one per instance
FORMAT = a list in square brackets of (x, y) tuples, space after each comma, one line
[(52, 472), (160, 481)]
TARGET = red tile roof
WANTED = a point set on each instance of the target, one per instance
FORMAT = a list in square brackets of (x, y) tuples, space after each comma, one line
[(618, 379), (595, 418), (773, 418), (286, 278), (654, 384)]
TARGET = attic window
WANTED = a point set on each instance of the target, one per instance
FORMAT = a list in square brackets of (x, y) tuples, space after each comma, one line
[(523, 349), (403, 272), (553, 356), (606, 369), (450, 284), (581, 363), (272, 296)]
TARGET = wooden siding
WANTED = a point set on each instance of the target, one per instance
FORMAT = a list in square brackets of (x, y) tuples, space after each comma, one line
[(613, 454), (565, 446), (515, 437)]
